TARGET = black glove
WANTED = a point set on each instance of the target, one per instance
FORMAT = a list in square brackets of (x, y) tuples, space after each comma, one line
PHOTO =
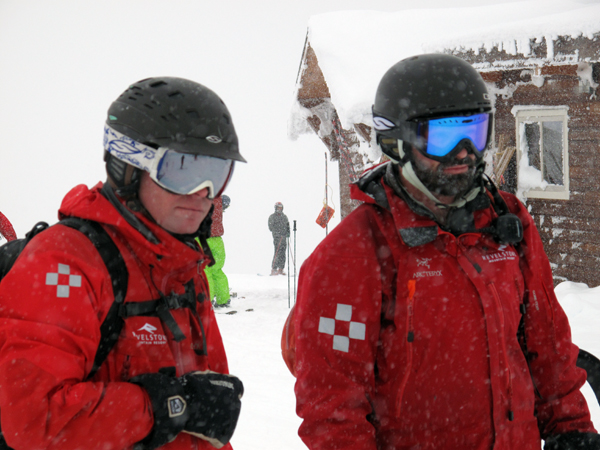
[(168, 406), (573, 440), (214, 405)]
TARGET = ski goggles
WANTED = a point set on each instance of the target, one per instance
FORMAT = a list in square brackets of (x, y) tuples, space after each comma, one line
[(179, 173), (442, 139)]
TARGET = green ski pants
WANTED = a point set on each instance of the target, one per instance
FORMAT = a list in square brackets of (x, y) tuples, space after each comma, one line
[(217, 280)]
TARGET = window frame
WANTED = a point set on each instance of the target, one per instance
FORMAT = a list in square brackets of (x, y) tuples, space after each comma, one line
[(539, 114)]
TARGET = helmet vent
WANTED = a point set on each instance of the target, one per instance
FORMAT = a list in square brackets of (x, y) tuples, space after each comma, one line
[(148, 106), (158, 84), (193, 114), (175, 94), (169, 117)]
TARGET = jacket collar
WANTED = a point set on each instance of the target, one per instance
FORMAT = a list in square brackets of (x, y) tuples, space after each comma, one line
[(414, 223), (92, 205)]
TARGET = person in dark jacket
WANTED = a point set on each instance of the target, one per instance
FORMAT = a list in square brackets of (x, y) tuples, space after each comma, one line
[(427, 319), (279, 226), (165, 383)]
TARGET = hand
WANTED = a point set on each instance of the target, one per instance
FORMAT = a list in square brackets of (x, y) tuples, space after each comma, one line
[(214, 405), (168, 406), (573, 441)]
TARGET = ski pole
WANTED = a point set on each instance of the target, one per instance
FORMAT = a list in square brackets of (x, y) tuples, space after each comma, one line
[(288, 271)]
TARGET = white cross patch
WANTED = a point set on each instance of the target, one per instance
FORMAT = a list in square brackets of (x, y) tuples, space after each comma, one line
[(69, 281), (356, 330)]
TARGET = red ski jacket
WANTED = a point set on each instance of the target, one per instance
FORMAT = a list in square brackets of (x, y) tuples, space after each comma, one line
[(216, 228), (406, 337), (52, 304)]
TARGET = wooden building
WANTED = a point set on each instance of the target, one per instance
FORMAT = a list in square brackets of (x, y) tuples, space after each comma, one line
[(547, 108), (546, 143)]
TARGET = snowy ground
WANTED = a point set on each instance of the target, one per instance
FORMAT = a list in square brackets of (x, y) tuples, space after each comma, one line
[(252, 340)]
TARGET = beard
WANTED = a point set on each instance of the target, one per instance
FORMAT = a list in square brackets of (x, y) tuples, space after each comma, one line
[(450, 185)]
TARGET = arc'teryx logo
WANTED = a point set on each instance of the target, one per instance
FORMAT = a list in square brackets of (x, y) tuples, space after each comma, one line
[(423, 262), (148, 336)]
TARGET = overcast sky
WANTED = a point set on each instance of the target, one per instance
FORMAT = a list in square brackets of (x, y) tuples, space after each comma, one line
[(62, 62)]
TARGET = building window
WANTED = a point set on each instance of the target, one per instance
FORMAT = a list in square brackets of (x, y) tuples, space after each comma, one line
[(543, 154)]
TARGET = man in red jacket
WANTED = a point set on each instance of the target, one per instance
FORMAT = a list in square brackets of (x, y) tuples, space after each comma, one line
[(170, 147), (427, 319)]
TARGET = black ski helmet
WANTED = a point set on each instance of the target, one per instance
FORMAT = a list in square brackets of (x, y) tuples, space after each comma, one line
[(425, 87), (180, 114)]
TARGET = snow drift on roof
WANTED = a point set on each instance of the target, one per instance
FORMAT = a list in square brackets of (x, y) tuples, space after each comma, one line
[(355, 48)]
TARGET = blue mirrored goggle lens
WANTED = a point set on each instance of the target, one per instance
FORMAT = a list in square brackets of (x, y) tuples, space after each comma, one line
[(184, 174), (443, 135)]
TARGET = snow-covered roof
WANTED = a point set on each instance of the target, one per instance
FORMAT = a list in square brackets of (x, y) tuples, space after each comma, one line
[(355, 48)]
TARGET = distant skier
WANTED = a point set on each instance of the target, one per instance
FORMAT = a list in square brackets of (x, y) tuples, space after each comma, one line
[(217, 280), (6, 228), (279, 226)]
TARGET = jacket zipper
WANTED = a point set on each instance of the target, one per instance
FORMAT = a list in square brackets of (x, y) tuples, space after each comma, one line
[(410, 337), (500, 313)]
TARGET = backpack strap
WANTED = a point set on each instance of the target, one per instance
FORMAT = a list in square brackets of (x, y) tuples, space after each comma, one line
[(10, 251), (161, 308), (110, 329), (113, 260)]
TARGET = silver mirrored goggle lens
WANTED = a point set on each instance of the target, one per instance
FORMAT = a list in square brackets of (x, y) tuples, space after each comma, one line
[(184, 174)]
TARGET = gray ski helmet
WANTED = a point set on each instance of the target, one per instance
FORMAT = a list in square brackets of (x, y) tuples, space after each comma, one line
[(226, 201), (278, 205), (424, 87), (180, 114)]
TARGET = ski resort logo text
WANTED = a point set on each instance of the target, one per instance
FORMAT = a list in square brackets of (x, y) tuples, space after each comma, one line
[(501, 255), (147, 335)]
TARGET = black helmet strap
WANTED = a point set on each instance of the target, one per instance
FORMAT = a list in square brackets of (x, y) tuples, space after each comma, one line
[(506, 228), (123, 178)]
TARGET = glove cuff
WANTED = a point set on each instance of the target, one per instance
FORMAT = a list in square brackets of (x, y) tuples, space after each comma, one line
[(573, 440)]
